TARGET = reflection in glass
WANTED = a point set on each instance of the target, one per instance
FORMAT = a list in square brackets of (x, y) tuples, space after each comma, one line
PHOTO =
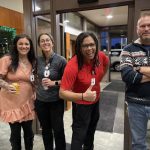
[(43, 26), (91, 27), (74, 21), (6, 39), (41, 5)]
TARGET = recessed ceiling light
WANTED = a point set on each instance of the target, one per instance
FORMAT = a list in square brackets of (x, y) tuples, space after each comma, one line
[(109, 16)]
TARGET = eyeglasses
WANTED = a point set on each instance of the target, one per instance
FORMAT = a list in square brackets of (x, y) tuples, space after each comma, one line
[(91, 45), (45, 41)]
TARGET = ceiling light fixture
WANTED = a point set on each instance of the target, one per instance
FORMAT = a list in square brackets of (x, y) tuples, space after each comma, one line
[(109, 16)]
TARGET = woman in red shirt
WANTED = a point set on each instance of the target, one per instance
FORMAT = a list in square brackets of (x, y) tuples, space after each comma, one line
[(81, 85)]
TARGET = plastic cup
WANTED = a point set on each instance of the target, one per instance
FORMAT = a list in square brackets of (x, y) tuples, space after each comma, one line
[(45, 87), (17, 87)]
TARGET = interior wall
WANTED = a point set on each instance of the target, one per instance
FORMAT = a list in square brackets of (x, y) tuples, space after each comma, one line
[(12, 19), (16, 5)]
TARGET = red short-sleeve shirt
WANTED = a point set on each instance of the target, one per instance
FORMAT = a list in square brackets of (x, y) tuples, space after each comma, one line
[(79, 80)]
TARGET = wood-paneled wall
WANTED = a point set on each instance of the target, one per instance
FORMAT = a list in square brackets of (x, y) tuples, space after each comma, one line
[(12, 19)]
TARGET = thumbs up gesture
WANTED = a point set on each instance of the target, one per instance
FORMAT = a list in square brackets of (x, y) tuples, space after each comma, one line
[(89, 95)]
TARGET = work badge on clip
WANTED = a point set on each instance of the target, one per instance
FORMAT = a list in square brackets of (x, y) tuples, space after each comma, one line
[(93, 81), (46, 72), (31, 77)]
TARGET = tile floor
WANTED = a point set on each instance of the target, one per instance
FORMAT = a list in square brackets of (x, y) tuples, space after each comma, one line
[(103, 140)]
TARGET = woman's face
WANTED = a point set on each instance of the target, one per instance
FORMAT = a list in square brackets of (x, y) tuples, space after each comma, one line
[(88, 48), (23, 46), (45, 43)]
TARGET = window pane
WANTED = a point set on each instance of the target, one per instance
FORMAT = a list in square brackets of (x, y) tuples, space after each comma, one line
[(43, 26), (91, 27), (74, 21)]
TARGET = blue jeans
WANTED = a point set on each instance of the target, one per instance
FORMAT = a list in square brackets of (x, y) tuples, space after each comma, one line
[(138, 119)]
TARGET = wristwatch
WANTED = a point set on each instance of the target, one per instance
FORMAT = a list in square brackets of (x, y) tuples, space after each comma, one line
[(137, 68), (56, 82)]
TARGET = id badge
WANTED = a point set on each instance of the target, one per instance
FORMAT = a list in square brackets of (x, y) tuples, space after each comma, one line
[(31, 77), (93, 81), (46, 73)]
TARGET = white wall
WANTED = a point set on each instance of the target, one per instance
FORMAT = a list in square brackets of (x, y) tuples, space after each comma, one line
[(16, 5), (72, 30)]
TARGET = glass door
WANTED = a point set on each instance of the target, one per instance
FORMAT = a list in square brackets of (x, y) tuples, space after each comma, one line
[(42, 25)]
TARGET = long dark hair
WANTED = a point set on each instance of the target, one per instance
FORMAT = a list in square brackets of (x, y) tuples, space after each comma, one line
[(15, 56), (78, 46)]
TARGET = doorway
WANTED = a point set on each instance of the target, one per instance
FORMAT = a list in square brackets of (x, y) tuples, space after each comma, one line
[(110, 25)]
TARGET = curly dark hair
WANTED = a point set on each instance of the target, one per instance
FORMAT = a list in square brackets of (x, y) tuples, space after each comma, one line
[(78, 51), (15, 56)]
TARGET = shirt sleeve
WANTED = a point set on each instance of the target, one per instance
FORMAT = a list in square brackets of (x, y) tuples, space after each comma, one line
[(69, 77), (129, 76), (5, 62)]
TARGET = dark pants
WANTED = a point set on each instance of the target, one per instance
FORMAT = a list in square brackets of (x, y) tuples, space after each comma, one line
[(15, 137), (50, 115), (85, 118)]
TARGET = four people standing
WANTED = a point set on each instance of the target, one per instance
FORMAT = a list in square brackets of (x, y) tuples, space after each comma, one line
[(135, 70), (17, 92), (81, 84), (49, 107)]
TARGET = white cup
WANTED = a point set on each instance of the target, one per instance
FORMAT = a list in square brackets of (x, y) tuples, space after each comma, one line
[(45, 87)]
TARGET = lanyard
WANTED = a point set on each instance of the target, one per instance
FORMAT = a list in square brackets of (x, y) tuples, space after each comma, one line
[(47, 67), (93, 78), (32, 76), (47, 71)]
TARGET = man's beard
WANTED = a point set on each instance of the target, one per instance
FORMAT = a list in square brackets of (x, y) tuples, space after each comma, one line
[(145, 40)]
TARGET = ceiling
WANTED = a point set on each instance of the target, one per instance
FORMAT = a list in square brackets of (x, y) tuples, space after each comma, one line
[(98, 16), (119, 19)]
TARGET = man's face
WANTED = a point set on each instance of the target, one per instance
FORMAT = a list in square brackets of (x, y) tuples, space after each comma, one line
[(143, 29)]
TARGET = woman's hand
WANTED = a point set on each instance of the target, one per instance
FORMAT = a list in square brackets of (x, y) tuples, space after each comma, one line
[(89, 95), (47, 82), (11, 88)]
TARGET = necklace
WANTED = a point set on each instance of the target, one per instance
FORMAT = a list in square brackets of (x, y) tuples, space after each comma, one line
[(24, 65)]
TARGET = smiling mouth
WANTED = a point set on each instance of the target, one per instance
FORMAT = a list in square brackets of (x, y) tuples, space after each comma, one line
[(90, 55), (146, 34)]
